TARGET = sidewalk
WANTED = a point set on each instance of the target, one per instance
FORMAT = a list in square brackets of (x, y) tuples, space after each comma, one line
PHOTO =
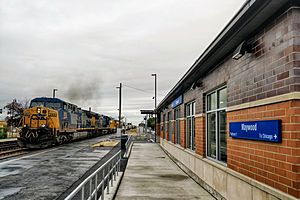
[(151, 174)]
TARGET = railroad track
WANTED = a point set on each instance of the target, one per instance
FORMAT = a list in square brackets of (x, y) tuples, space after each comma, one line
[(10, 153), (8, 144), (10, 148)]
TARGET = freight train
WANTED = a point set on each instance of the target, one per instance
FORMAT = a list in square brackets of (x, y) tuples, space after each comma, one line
[(50, 121)]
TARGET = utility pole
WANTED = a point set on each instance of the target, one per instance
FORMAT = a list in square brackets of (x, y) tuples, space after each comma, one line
[(146, 124), (155, 99), (120, 102), (54, 91)]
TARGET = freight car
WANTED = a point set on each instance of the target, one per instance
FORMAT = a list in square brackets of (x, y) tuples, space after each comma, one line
[(50, 121)]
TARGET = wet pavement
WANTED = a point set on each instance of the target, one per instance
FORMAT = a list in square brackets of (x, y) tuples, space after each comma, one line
[(46, 174), (151, 174)]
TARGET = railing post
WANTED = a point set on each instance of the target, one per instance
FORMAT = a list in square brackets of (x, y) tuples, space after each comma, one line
[(82, 193), (90, 188), (103, 181), (96, 186), (117, 167), (120, 162), (108, 170), (112, 174)]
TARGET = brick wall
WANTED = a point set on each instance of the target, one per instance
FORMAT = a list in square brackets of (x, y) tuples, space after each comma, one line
[(275, 164), (200, 135), (161, 131), (167, 132), (272, 68), (193, 95), (158, 132), (182, 133)]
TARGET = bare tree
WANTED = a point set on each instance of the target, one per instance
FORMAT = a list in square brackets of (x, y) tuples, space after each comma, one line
[(15, 112), (25, 103)]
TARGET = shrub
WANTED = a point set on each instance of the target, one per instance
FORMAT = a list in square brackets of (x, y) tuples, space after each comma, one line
[(3, 133)]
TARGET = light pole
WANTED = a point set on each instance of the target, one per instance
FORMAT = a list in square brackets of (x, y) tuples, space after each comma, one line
[(120, 102), (54, 91), (155, 91)]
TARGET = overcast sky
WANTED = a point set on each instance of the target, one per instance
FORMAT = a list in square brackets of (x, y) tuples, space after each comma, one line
[(86, 48)]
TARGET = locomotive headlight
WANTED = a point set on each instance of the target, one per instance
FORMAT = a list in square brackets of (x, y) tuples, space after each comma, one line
[(39, 110), (43, 125)]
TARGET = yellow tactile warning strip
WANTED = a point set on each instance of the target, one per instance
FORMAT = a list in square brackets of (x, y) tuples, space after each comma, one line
[(132, 132), (107, 143)]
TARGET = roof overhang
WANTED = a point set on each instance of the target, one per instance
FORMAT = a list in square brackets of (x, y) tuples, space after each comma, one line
[(146, 112), (252, 15)]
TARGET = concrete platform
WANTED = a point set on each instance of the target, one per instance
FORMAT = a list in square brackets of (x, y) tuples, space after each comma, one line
[(47, 174), (151, 174), (8, 140)]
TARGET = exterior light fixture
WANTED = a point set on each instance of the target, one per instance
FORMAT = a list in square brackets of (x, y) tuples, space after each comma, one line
[(241, 50)]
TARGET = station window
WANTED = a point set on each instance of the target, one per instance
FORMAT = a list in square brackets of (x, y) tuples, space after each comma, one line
[(177, 125), (170, 133), (216, 124), (165, 126), (190, 125)]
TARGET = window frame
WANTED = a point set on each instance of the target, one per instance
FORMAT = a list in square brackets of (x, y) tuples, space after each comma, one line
[(170, 134), (217, 124), (164, 125), (177, 124), (190, 115)]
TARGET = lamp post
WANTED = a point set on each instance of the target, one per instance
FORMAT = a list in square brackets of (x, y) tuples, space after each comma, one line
[(54, 91), (120, 102), (155, 91)]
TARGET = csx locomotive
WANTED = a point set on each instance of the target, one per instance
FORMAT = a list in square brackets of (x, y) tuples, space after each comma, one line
[(50, 121)]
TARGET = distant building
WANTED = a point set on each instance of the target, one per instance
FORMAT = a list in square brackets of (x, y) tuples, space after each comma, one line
[(233, 120), (3, 124)]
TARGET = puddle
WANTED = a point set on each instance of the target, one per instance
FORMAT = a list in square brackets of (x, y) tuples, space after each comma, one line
[(12, 170), (9, 191), (176, 177), (6, 171)]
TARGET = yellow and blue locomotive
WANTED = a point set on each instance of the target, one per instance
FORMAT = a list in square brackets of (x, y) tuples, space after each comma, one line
[(50, 121)]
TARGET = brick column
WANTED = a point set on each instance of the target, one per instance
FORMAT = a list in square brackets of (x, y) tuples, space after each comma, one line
[(200, 135), (182, 133), (158, 134), (173, 132), (167, 132), (161, 130)]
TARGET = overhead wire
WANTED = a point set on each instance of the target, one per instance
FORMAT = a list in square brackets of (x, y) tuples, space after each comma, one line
[(141, 90), (138, 89)]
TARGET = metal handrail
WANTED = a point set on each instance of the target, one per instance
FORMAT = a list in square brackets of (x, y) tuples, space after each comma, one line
[(128, 146), (129, 140), (113, 168)]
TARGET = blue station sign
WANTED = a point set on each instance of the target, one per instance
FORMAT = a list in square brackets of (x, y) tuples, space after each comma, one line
[(177, 101), (269, 130)]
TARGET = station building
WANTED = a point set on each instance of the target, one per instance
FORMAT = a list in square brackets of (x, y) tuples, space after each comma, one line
[(233, 120)]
